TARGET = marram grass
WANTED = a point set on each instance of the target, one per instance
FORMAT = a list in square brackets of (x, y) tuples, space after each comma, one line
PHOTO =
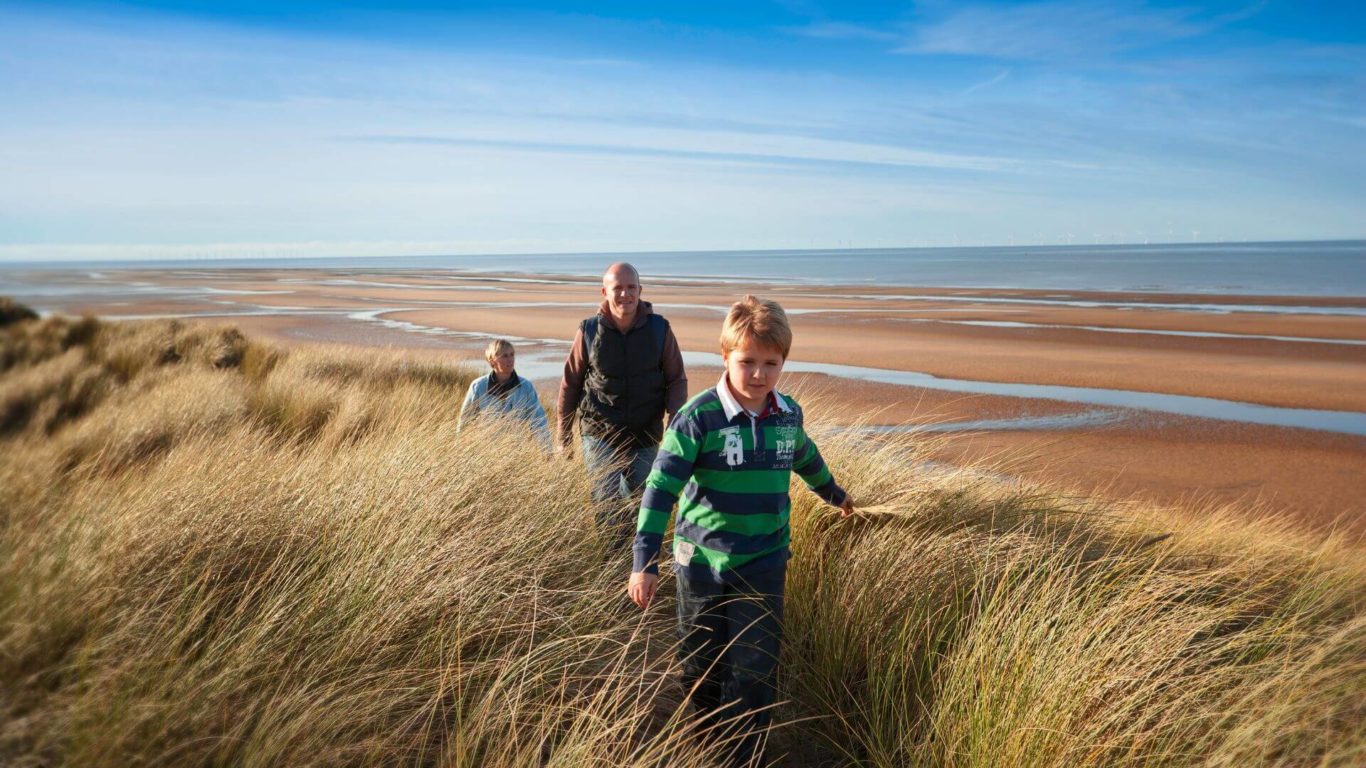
[(213, 552)]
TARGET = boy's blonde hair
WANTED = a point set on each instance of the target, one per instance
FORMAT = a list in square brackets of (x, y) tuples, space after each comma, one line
[(759, 320), (496, 348)]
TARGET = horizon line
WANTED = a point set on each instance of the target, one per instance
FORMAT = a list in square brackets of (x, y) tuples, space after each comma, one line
[(314, 255)]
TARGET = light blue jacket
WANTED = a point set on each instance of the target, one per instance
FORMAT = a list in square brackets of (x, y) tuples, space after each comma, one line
[(521, 402)]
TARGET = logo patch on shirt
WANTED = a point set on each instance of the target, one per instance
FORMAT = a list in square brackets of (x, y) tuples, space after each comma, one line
[(683, 551), (785, 445), (734, 448)]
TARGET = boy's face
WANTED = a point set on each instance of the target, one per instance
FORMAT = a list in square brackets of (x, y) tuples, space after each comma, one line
[(752, 370)]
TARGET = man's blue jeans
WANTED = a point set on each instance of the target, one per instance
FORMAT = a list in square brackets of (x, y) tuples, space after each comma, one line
[(618, 474)]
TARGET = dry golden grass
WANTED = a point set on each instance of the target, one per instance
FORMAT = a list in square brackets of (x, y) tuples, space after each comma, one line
[(212, 552), (13, 312)]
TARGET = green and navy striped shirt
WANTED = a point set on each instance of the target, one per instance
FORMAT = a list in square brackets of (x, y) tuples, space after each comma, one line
[(733, 470)]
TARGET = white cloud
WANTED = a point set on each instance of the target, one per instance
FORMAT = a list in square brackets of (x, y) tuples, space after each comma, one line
[(1052, 30), (997, 78), (832, 30), (703, 146)]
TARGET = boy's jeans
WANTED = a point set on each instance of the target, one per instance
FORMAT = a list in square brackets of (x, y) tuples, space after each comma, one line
[(618, 475), (729, 636)]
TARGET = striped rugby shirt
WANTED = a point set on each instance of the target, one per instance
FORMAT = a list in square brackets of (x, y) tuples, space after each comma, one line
[(733, 469)]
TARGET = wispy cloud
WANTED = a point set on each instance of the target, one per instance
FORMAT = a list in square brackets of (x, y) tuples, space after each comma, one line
[(997, 78), (1054, 30), (749, 149), (833, 30)]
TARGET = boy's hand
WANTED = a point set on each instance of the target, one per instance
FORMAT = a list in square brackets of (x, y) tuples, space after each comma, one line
[(847, 508), (642, 588)]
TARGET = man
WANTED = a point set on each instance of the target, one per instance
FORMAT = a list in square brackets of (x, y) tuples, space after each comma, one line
[(623, 374)]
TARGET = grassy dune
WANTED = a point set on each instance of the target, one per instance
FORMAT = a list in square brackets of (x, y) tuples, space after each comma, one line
[(216, 553)]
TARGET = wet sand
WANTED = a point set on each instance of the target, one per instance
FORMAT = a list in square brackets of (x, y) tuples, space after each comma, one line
[(1194, 345)]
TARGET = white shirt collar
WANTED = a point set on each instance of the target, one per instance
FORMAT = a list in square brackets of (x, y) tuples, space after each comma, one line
[(732, 406)]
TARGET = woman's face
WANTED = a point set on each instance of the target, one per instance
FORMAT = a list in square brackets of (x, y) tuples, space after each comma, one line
[(503, 363)]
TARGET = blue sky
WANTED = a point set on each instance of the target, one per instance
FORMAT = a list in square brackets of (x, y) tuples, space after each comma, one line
[(174, 129)]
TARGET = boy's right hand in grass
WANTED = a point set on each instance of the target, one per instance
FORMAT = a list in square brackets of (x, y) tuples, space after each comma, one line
[(642, 588)]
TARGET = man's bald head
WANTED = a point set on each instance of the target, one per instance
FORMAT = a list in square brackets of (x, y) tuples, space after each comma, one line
[(620, 270), (621, 288)]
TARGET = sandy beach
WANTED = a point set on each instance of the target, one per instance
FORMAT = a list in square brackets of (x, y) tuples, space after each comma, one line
[(1286, 353)]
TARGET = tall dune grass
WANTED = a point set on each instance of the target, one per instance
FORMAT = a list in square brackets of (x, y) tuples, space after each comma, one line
[(217, 553)]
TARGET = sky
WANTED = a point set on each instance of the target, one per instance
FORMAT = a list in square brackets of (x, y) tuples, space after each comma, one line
[(185, 129)]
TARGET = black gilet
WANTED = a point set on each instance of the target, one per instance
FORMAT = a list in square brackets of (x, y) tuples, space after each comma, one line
[(624, 388)]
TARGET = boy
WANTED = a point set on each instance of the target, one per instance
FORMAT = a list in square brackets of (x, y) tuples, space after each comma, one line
[(731, 451)]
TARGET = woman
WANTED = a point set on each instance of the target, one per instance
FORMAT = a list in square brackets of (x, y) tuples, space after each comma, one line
[(504, 392)]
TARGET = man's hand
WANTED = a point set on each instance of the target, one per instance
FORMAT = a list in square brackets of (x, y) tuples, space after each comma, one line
[(847, 508), (642, 588)]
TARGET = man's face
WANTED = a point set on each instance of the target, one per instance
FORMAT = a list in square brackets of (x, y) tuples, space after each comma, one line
[(753, 370), (621, 288)]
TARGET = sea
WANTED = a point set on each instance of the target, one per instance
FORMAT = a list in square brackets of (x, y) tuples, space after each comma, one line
[(1311, 268)]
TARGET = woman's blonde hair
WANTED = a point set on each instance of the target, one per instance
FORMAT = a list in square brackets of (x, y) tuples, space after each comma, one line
[(496, 348), (760, 320)]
